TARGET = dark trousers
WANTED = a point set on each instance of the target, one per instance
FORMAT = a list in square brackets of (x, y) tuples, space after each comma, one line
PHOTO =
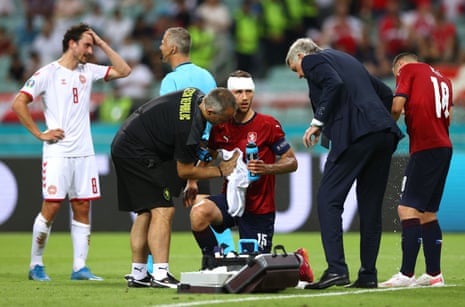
[(368, 161)]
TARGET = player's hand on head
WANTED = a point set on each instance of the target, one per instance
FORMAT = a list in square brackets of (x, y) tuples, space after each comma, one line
[(97, 39)]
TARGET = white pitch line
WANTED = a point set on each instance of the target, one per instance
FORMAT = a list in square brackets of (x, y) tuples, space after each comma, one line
[(283, 297)]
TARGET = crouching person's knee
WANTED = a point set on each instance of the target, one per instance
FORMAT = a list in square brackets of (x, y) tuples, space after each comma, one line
[(201, 215)]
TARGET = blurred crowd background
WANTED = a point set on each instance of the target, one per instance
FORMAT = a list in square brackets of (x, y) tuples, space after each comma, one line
[(252, 35)]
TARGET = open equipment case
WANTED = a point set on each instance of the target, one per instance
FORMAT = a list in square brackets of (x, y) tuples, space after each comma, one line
[(246, 273)]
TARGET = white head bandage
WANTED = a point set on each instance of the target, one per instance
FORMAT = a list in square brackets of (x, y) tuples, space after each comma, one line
[(236, 83)]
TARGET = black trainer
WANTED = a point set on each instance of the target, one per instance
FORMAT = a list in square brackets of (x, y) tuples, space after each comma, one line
[(139, 283), (168, 282)]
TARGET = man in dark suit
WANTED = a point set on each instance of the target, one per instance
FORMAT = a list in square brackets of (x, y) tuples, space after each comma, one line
[(351, 110)]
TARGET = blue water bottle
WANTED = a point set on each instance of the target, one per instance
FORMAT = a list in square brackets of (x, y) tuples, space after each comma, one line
[(251, 153)]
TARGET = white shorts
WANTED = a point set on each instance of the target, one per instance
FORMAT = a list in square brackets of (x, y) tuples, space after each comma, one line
[(76, 177)]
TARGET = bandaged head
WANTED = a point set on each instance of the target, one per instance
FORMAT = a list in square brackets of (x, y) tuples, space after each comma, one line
[(240, 83)]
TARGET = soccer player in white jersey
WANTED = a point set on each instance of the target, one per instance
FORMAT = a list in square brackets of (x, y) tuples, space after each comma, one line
[(68, 159)]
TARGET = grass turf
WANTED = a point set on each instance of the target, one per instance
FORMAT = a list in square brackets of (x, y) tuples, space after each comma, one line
[(109, 257)]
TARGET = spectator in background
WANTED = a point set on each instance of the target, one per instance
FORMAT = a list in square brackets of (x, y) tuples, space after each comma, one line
[(218, 20), (274, 22), (118, 27), (69, 9), (420, 22), (444, 46), (202, 51), (33, 63), (137, 85), (310, 15), (393, 33), (108, 6), (67, 13), (142, 32), (16, 71), (95, 17), (246, 34), (47, 43), (369, 55), (325, 8), (43, 9), (143, 36), (25, 34), (182, 14), (150, 9), (114, 108), (341, 30), (302, 16), (7, 8), (216, 15), (369, 11), (164, 21), (452, 9), (7, 44)]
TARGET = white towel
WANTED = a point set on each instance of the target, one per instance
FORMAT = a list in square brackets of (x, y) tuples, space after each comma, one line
[(238, 182)]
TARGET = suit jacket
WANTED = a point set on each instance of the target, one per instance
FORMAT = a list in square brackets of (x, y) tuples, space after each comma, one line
[(347, 99)]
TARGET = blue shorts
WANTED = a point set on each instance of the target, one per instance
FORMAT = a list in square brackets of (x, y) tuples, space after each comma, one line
[(250, 226), (424, 179)]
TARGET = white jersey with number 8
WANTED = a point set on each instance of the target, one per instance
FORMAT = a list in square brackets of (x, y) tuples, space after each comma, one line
[(65, 96)]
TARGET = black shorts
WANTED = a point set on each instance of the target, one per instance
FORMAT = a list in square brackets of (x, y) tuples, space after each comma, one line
[(251, 226), (424, 179), (143, 185), (204, 186)]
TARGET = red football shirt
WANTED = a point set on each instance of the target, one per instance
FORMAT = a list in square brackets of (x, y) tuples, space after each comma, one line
[(429, 99), (267, 133)]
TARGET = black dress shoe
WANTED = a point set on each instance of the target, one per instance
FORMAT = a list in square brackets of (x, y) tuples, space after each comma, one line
[(328, 280), (363, 284)]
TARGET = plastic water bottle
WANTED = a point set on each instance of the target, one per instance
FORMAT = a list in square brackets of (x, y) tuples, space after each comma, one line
[(251, 152)]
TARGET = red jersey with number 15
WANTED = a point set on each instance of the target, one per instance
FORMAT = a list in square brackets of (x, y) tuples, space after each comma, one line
[(266, 132), (429, 99)]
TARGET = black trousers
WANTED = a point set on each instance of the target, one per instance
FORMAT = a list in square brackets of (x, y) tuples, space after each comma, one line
[(368, 162)]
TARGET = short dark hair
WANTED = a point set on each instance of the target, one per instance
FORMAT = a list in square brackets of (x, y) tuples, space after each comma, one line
[(240, 74), (403, 55), (74, 33)]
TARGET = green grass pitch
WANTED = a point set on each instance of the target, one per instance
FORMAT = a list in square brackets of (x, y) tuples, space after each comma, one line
[(109, 257)]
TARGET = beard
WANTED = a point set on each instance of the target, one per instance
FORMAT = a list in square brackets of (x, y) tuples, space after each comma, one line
[(84, 59)]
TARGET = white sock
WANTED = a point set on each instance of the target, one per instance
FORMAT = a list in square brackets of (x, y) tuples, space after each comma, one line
[(40, 235), (139, 270), (80, 235), (160, 270)]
